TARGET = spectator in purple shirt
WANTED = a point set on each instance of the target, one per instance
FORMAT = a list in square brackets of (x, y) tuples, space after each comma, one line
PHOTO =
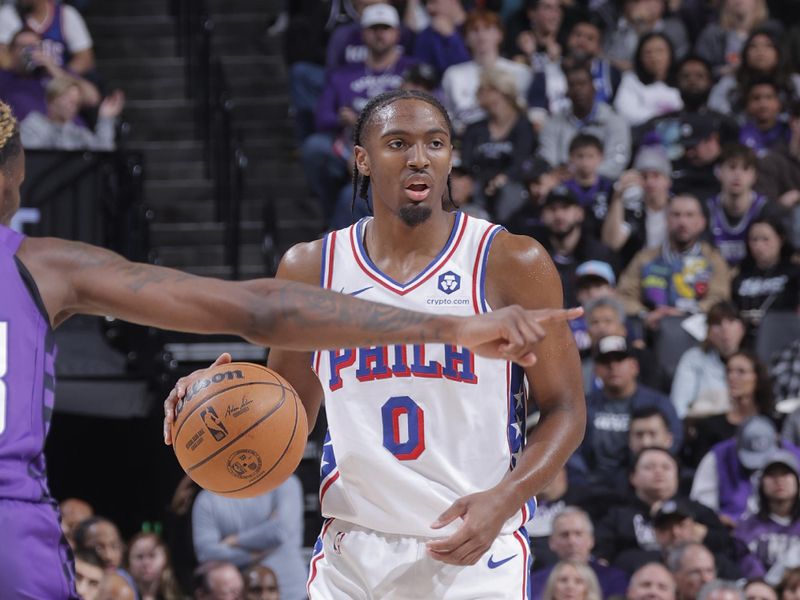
[(763, 128), (771, 537), (327, 154), (441, 43), (348, 45), (23, 85), (725, 479)]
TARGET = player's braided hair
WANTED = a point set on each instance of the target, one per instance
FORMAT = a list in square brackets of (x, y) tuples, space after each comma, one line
[(10, 144), (361, 182)]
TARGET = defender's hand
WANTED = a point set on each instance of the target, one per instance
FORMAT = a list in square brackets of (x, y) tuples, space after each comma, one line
[(511, 333), (179, 391)]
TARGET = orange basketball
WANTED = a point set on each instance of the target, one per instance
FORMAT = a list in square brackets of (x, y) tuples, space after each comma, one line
[(240, 431)]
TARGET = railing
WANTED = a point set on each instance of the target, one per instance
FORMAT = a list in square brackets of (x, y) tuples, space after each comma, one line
[(93, 197), (207, 87)]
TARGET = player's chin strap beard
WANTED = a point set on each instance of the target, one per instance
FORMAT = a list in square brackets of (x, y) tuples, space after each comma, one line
[(415, 215)]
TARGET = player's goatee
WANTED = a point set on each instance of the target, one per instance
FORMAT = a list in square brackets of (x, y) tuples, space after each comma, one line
[(415, 215)]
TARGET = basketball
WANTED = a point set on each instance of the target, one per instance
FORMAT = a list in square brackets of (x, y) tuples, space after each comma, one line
[(240, 431)]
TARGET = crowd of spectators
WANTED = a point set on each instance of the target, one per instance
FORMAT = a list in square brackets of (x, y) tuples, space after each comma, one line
[(239, 549), (49, 78), (653, 148)]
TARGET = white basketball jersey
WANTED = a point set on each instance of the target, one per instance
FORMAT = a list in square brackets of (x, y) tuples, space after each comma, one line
[(413, 428)]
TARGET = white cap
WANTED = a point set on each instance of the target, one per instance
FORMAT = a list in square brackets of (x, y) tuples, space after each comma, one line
[(380, 14), (612, 345)]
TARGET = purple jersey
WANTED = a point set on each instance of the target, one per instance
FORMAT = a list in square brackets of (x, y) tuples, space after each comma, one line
[(352, 86), (54, 43), (769, 542), (27, 378), (732, 239)]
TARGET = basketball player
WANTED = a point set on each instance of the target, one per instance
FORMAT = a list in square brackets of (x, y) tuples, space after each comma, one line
[(424, 482), (45, 281)]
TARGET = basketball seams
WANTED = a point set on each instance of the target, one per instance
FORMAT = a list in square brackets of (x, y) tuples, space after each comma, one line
[(261, 419), (277, 461), (202, 403)]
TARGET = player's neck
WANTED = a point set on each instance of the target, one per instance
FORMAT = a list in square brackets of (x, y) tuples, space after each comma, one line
[(388, 237)]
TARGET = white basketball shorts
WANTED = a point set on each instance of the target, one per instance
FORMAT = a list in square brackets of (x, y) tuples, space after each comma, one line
[(354, 563)]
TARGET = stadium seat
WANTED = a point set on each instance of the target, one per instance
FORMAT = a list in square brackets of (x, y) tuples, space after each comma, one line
[(671, 341), (776, 331)]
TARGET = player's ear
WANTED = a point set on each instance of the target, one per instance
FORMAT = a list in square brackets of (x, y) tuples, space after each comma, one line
[(362, 160)]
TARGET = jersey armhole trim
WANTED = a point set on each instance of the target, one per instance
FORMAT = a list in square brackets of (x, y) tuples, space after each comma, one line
[(33, 289), (325, 280), (479, 272)]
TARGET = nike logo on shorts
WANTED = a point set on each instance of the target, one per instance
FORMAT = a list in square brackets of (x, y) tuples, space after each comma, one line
[(499, 563)]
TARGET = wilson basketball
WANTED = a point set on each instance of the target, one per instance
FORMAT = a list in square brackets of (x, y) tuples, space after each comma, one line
[(240, 431)]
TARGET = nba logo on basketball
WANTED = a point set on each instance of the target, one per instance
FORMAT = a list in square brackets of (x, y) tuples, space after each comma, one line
[(449, 282), (213, 424)]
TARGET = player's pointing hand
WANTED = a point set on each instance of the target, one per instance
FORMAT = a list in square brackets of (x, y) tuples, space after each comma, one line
[(512, 333)]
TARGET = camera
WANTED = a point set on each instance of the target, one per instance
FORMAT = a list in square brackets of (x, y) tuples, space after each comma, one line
[(29, 63)]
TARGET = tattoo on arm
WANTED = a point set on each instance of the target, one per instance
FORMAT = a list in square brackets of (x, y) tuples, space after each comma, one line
[(307, 311), (135, 276)]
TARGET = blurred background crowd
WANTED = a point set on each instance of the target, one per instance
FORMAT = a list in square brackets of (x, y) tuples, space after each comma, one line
[(651, 146)]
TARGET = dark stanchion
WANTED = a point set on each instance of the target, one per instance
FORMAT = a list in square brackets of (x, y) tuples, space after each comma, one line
[(207, 87)]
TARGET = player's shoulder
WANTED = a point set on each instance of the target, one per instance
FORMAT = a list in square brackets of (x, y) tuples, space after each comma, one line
[(520, 271), (516, 250), (302, 262)]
